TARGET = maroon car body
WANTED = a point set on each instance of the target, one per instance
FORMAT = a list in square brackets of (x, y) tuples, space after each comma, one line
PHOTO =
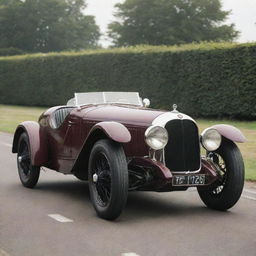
[(64, 137)]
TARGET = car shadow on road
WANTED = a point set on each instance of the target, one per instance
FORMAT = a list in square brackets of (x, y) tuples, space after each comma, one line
[(140, 205), (158, 205), (69, 189)]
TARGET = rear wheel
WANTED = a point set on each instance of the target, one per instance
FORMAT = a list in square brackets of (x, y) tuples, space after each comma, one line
[(28, 173), (108, 179), (227, 190)]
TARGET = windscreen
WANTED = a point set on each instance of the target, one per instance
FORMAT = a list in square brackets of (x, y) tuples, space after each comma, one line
[(132, 98)]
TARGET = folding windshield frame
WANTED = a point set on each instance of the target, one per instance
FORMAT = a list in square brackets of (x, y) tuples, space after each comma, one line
[(95, 98)]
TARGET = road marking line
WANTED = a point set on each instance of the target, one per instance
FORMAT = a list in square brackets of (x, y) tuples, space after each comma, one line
[(59, 218), (3, 253), (130, 254), (249, 197), (250, 191), (7, 144)]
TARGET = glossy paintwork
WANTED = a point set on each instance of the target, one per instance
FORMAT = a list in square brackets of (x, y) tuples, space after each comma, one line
[(37, 141), (114, 130), (124, 114), (124, 124), (230, 132), (67, 148)]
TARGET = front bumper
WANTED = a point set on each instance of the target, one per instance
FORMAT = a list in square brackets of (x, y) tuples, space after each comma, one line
[(163, 177)]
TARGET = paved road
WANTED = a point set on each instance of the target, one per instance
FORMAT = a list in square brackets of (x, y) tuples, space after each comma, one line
[(161, 224)]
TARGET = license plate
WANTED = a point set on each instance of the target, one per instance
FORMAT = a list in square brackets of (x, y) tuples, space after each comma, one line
[(188, 180)]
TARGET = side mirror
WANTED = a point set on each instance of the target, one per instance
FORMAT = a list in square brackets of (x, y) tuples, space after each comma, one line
[(146, 102)]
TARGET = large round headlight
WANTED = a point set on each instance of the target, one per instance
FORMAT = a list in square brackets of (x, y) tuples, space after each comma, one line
[(156, 137), (211, 139)]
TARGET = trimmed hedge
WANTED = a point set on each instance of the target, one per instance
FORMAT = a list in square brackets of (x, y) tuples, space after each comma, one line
[(205, 80), (10, 51)]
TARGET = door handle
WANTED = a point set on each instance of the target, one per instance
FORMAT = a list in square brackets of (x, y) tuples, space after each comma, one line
[(71, 122)]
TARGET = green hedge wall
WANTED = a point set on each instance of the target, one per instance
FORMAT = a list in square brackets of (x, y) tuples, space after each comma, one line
[(10, 51), (205, 80)]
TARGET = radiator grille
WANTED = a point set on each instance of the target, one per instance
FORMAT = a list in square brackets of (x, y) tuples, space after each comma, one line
[(182, 152)]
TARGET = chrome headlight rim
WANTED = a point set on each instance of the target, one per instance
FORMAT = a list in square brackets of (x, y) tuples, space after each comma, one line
[(211, 139), (156, 137)]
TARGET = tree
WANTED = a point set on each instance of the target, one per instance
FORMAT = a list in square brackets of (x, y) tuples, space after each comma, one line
[(167, 22), (46, 25)]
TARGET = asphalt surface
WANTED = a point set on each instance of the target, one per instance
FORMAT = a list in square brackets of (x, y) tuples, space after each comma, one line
[(175, 223)]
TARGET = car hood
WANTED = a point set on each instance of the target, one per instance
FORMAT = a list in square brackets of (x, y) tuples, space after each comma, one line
[(123, 114)]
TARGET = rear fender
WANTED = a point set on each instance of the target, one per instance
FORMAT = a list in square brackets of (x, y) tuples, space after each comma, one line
[(230, 132), (37, 142)]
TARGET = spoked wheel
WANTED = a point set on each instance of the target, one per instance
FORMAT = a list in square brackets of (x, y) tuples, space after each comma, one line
[(224, 193), (108, 179), (29, 174), (102, 179), (222, 174)]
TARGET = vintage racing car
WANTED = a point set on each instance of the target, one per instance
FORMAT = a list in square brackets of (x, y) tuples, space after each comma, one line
[(118, 144)]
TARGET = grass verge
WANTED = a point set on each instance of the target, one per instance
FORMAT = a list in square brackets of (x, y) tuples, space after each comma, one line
[(11, 116)]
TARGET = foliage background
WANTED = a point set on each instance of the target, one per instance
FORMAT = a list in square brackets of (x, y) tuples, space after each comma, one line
[(206, 80), (47, 25), (169, 22)]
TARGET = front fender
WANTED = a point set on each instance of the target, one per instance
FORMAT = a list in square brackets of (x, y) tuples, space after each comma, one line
[(37, 142), (230, 132), (114, 130)]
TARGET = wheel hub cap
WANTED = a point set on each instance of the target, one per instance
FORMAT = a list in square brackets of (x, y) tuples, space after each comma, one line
[(20, 159), (95, 178)]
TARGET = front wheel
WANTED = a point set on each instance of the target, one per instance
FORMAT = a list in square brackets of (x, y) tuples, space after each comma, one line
[(108, 179), (28, 173), (227, 190)]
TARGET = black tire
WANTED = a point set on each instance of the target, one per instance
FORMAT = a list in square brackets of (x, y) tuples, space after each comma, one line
[(108, 179), (28, 174), (224, 194)]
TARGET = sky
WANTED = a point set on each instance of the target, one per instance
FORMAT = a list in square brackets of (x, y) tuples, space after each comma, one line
[(243, 15)]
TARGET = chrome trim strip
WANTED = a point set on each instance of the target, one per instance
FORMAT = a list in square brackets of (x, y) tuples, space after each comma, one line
[(140, 99), (169, 116), (76, 99), (188, 172), (104, 97)]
